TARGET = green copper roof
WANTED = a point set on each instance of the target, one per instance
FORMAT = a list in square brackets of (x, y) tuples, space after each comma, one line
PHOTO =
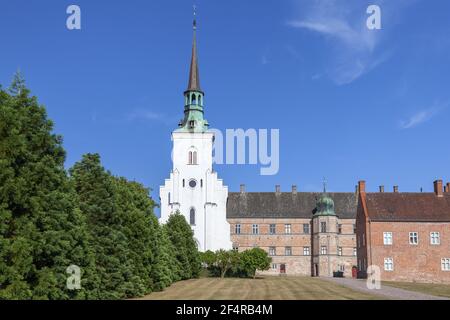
[(193, 120), (325, 206)]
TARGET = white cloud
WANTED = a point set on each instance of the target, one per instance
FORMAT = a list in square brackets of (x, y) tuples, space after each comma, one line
[(354, 49), (419, 118)]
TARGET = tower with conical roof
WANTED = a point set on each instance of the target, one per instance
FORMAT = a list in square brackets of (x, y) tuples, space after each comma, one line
[(193, 188)]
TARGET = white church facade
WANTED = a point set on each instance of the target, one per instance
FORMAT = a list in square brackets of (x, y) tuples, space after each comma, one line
[(193, 188)]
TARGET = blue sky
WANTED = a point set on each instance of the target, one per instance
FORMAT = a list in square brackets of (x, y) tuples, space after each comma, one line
[(350, 103)]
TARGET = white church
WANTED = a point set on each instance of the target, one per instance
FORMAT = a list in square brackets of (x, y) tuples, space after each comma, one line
[(193, 188)]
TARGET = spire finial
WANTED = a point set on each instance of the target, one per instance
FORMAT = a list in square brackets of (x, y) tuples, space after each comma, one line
[(324, 185), (195, 17)]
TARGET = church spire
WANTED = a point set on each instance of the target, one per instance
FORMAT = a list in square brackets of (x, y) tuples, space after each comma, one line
[(194, 76), (194, 97)]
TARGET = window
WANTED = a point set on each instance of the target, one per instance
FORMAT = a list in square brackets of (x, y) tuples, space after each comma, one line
[(192, 159), (192, 183), (355, 252), (306, 251), (342, 268), (323, 250), (183, 183), (255, 229), (306, 228), (413, 238), (288, 251), (272, 251), (272, 229), (169, 198), (339, 251), (445, 264), (323, 227), (388, 264), (339, 228), (274, 266), (201, 183), (435, 238), (237, 228), (387, 238), (287, 229), (192, 217)]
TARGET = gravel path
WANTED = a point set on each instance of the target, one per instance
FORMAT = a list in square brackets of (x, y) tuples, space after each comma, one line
[(387, 291)]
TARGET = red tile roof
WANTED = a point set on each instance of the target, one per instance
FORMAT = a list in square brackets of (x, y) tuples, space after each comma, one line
[(420, 207)]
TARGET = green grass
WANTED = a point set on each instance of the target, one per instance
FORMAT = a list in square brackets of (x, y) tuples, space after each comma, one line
[(267, 288), (441, 290)]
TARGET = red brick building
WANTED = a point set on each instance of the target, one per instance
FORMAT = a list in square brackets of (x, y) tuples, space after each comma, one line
[(407, 235)]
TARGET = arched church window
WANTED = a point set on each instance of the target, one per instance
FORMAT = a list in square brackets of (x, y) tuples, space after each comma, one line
[(194, 99), (191, 159), (183, 183), (194, 157), (192, 217)]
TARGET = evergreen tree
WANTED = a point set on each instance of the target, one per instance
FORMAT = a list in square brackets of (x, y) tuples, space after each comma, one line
[(41, 232), (140, 227), (95, 189), (186, 251)]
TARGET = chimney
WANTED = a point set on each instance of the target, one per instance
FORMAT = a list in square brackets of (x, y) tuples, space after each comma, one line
[(381, 189), (294, 189), (277, 189), (362, 186), (395, 189), (242, 188), (438, 188)]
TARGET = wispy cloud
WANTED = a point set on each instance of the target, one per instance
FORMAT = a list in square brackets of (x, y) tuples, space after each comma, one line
[(354, 48), (419, 118), (149, 115)]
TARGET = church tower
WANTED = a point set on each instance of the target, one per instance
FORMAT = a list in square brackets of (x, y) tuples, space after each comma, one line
[(193, 188)]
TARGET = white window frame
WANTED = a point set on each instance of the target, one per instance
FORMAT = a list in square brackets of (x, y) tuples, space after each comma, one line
[(306, 251), (340, 251), (414, 235), (435, 238), (388, 238), (286, 249), (255, 228), (355, 252), (274, 266), (237, 228), (323, 250), (272, 251), (274, 228), (388, 264), (445, 264), (287, 228)]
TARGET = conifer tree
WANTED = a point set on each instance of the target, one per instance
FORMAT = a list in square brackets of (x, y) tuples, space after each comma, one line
[(186, 251), (41, 232), (95, 189)]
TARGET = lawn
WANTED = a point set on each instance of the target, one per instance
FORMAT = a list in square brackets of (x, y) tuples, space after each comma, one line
[(441, 290), (267, 288)]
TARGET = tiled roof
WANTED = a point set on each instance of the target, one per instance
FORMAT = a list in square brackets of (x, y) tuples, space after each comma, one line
[(286, 204), (420, 207)]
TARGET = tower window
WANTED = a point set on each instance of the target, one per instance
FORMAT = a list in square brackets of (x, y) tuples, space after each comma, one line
[(194, 99), (169, 198), (323, 226), (200, 100), (192, 217), (183, 183), (192, 158)]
